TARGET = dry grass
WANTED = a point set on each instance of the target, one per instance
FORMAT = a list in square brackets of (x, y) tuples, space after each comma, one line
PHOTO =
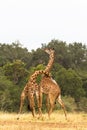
[(57, 122)]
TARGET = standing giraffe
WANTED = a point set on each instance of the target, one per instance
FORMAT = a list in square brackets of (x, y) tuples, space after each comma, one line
[(49, 87), (32, 87)]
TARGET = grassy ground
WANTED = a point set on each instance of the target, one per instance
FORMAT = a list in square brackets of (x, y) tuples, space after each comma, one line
[(76, 121)]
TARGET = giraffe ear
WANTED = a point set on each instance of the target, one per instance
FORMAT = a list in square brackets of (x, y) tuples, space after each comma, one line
[(53, 48)]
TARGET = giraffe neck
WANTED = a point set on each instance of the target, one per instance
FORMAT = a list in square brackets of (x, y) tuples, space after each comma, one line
[(35, 74), (50, 63), (46, 71)]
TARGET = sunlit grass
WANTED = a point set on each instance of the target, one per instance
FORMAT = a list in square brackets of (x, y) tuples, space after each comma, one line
[(76, 121)]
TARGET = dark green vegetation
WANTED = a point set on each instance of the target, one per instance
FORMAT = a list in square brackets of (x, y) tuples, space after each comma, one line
[(69, 70)]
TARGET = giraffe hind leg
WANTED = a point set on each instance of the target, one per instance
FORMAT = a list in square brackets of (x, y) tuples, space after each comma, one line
[(52, 101), (47, 102), (39, 103), (62, 105), (32, 104)]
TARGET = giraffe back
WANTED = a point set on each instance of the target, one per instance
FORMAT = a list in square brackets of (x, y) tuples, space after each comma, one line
[(48, 85)]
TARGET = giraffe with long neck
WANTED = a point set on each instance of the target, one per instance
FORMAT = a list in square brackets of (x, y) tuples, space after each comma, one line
[(50, 87), (32, 87)]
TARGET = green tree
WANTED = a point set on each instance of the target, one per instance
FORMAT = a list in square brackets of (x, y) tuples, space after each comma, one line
[(15, 71), (70, 83), (78, 53), (85, 86), (9, 94), (14, 51), (39, 57), (82, 104)]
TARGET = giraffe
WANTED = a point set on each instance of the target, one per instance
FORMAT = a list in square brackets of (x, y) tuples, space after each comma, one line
[(50, 87), (32, 87)]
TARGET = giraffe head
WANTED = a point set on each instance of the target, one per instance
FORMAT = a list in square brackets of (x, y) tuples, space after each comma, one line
[(49, 51)]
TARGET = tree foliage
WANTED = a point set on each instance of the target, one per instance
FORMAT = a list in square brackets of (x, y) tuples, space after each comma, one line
[(70, 83), (15, 71)]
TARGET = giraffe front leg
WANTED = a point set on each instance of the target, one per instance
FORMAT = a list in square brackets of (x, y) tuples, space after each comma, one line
[(21, 103)]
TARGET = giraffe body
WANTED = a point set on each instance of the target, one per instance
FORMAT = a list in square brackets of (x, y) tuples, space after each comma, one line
[(49, 87)]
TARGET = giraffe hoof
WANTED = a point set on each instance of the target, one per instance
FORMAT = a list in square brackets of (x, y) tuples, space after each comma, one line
[(17, 118)]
